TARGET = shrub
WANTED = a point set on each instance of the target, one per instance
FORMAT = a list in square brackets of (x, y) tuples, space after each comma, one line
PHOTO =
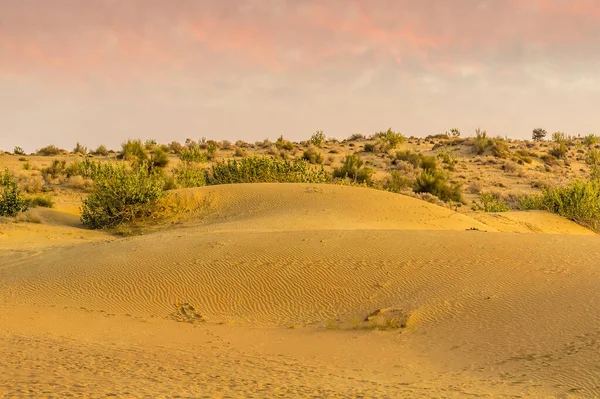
[(149, 144), (80, 149), (593, 160), (56, 168), (312, 156), (559, 148), (193, 154), (356, 137), (353, 169), (101, 150), (121, 195), (481, 141), (500, 148), (579, 202), (283, 144), (435, 182), (18, 151), (590, 140), (175, 147), (447, 156), (212, 150), (188, 174), (410, 157), (318, 138), (538, 134), (491, 202), (26, 166), (134, 151), (454, 133), (263, 170), (226, 145), (50, 150), (398, 182), (45, 202), (391, 139), (11, 200), (159, 158), (240, 152), (369, 147)]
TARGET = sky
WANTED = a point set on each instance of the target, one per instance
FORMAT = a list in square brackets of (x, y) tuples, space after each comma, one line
[(103, 71)]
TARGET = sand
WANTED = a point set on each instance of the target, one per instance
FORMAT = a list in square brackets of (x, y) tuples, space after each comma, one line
[(261, 291)]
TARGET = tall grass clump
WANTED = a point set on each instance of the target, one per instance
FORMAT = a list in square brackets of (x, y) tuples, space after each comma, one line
[(264, 170), (11, 201), (121, 194)]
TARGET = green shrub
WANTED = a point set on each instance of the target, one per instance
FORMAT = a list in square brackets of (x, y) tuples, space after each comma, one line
[(390, 139), (193, 154), (134, 151), (159, 158), (176, 148), (263, 170), (579, 202), (18, 151), (56, 168), (318, 138), (590, 140), (398, 182), (283, 144), (491, 202), (120, 195), (447, 156), (11, 200), (312, 156), (500, 148), (189, 174), (356, 137), (410, 157), (50, 150), (101, 150), (353, 169), (369, 147), (80, 149), (538, 134), (45, 202), (436, 182), (26, 166), (212, 150)]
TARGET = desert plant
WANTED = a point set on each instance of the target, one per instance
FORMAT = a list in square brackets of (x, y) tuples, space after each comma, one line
[(44, 202), (212, 150), (121, 195), (500, 147), (263, 170), (240, 152), (11, 201), (454, 133), (481, 141), (159, 158), (26, 166), (175, 147), (56, 168), (590, 140), (149, 144), (436, 182), (80, 149), (193, 154), (391, 139), (318, 138), (538, 134), (559, 148), (313, 156), (189, 174), (398, 182), (353, 169), (50, 150), (100, 150), (579, 202), (283, 144), (491, 202), (18, 151), (447, 156), (134, 151)]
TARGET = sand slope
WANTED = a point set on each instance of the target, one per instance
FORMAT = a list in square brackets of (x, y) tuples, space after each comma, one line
[(258, 292)]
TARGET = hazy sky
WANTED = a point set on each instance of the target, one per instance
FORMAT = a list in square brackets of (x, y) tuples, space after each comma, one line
[(102, 71)]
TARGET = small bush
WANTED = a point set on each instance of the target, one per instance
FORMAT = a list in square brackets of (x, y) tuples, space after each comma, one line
[(538, 134), (318, 138), (212, 150), (80, 149), (193, 154), (436, 182), (353, 169), (11, 201), (579, 202), (283, 144), (18, 151), (50, 150), (410, 157), (491, 202), (45, 202), (313, 156), (56, 168), (264, 170), (159, 158), (189, 174), (448, 158), (240, 152), (390, 139), (175, 147), (26, 166), (101, 150), (369, 147), (398, 182), (500, 148), (121, 195), (356, 137), (590, 140), (133, 151)]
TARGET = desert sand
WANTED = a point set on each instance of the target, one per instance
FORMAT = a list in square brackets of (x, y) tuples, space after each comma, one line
[(262, 291)]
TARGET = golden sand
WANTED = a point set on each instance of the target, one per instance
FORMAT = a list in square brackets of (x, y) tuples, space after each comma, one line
[(263, 291)]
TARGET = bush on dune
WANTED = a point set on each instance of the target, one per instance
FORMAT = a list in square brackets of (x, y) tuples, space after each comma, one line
[(121, 195), (11, 201), (264, 170)]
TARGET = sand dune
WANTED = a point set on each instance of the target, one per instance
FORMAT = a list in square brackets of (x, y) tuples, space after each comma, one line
[(263, 290)]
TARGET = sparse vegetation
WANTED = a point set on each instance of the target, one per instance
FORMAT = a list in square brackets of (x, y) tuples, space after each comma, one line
[(11, 201), (50, 150), (18, 151), (318, 138), (491, 202), (538, 134), (354, 170)]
